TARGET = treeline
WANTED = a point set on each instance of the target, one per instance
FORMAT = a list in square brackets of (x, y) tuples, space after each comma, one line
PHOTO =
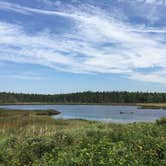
[(84, 97)]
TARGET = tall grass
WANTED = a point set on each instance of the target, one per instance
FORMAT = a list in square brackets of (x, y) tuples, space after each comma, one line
[(40, 140)]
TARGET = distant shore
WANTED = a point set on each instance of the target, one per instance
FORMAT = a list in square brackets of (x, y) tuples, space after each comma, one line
[(140, 105), (39, 103), (152, 105)]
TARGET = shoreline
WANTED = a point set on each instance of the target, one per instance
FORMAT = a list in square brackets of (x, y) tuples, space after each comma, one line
[(139, 105), (9, 112), (120, 104)]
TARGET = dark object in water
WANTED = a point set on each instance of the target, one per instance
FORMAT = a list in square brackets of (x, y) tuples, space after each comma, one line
[(122, 112)]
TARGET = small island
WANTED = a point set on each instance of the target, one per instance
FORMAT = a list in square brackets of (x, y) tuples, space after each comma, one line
[(15, 113)]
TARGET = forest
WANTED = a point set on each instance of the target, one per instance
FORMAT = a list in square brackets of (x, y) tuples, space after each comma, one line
[(84, 98)]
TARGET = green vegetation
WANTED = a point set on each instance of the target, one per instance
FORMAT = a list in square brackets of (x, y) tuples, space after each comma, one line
[(84, 98), (39, 140), (152, 105), (11, 113), (161, 121)]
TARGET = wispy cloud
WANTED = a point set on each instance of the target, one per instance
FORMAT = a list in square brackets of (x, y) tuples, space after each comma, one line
[(51, 3), (156, 2), (159, 2), (98, 43), (23, 76), (12, 7)]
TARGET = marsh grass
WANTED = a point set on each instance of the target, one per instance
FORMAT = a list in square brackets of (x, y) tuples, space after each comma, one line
[(35, 139), (152, 105)]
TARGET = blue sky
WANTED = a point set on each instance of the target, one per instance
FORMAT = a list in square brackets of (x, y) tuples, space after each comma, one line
[(60, 46)]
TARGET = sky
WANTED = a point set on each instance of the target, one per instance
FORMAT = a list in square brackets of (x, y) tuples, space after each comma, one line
[(62, 46)]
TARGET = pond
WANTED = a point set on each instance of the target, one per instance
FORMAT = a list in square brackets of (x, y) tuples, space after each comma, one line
[(106, 113)]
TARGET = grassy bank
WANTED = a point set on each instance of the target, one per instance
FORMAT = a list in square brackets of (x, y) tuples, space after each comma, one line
[(37, 139), (152, 105)]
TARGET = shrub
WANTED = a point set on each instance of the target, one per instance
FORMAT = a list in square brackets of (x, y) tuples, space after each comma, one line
[(161, 121)]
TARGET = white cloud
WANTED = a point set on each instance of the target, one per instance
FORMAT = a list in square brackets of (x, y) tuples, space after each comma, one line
[(98, 43), (51, 3), (156, 2), (12, 7), (23, 76), (154, 77)]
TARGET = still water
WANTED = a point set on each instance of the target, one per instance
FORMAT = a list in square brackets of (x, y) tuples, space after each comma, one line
[(106, 113)]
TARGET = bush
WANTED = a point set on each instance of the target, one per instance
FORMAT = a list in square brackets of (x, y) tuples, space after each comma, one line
[(161, 121)]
